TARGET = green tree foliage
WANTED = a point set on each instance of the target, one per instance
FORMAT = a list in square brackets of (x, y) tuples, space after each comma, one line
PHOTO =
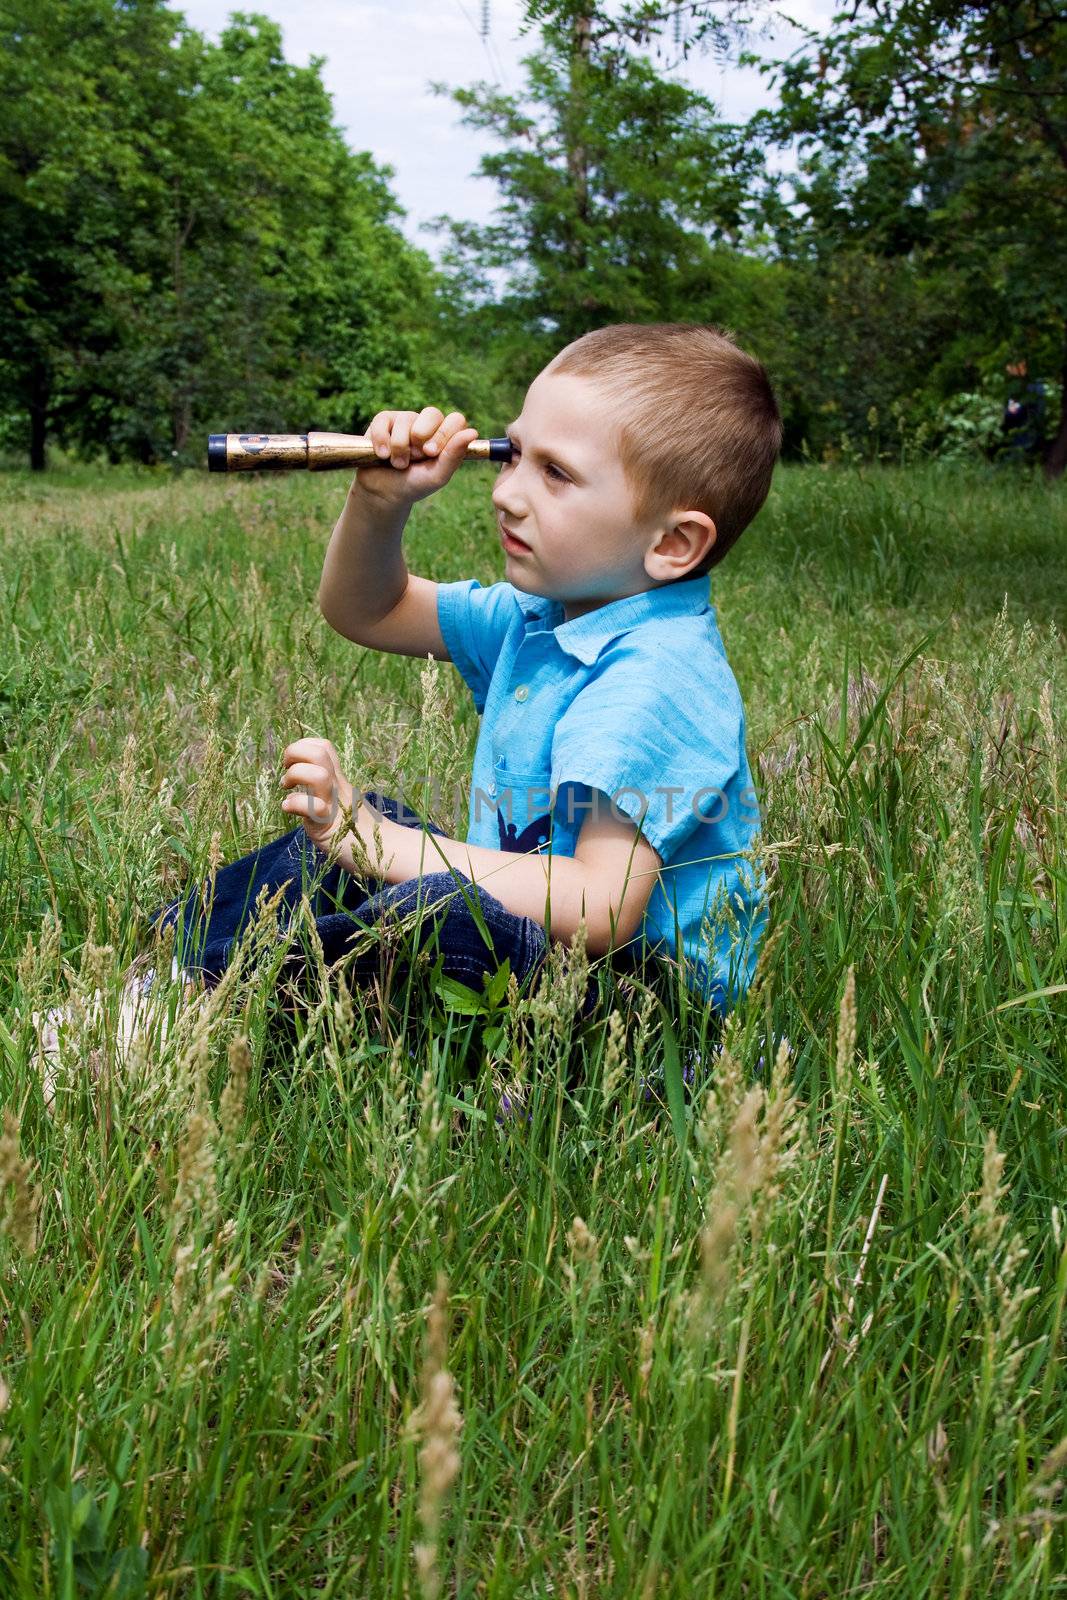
[(186, 241), (933, 159), (622, 197)]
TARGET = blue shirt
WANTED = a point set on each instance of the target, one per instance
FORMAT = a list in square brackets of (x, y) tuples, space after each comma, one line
[(634, 699)]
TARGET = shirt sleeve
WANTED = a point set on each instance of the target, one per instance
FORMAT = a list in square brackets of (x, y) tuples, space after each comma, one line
[(666, 757), (474, 624)]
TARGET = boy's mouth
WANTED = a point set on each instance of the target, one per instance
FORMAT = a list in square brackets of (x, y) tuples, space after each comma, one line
[(511, 542)]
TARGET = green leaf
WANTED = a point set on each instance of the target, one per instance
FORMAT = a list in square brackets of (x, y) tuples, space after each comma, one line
[(457, 997)]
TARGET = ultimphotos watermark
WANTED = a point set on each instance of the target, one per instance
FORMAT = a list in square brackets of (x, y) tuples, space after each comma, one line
[(709, 805)]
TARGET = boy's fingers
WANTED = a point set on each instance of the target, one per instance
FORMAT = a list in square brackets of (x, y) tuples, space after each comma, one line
[(400, 441), (306, 804), (456, 448), (307, 772), (445, 431), (317, 811), (312, 746), (379, 429), (426, 424)]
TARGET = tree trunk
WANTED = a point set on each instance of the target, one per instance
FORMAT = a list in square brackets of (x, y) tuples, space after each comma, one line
[(1055, 459), (38, 407)]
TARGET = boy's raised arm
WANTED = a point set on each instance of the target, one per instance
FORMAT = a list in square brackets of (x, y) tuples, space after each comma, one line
[(364, 576), (364, 573)]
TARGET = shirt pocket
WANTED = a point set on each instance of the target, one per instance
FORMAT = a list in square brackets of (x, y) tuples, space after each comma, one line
[(523, 809)]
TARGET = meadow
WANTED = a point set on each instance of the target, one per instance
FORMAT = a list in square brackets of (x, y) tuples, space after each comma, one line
[(283, 1316)]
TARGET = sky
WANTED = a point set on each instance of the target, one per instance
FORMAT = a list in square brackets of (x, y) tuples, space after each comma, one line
[(381, 55)]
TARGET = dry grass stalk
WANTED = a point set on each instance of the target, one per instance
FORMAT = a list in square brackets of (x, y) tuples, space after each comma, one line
[(235, 1093), (38, 965), (614, 1066), (846, 1032), (844, 1317), (990, 1220), (720, 1104), (437, 1422), (194, 1198), (1003, 1296), (560, 993), (730, 1198), (585, 1254), (431, 1125), (646, 1345), (780, 1142), (1047, 1489), (198, 1244), (22, 1207), (764, 1144), (196, 1190)]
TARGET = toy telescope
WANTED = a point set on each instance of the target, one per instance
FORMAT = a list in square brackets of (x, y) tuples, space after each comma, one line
[(316, 452)]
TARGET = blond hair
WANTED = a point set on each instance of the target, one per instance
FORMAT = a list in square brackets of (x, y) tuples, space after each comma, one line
[(701, 428)]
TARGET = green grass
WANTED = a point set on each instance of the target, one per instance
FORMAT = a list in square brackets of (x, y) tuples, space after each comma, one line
[(809, 1340)]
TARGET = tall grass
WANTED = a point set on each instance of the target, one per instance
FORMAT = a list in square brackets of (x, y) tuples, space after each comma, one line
[(284, 1314)]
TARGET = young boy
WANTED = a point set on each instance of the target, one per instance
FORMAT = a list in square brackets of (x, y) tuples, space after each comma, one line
[(611, 780)]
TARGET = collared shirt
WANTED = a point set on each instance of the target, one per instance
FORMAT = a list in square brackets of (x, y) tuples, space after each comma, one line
[(634, 700)]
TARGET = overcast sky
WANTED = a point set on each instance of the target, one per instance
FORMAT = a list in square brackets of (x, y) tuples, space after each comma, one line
[(382, 54)]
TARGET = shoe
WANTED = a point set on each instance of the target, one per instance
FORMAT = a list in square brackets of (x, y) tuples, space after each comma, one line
[(134, 1023)]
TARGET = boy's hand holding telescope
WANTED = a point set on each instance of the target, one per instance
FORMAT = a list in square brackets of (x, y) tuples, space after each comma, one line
[(427, 446), (419, 452)]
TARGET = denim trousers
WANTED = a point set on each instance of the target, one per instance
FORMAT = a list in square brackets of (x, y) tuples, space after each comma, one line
[(343, 906)]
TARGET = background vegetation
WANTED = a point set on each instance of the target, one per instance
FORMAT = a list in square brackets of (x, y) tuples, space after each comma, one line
[(187, 245), (429, 1291), (794, 1329)]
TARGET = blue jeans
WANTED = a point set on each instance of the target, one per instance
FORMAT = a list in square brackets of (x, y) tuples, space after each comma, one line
[(343, 905)]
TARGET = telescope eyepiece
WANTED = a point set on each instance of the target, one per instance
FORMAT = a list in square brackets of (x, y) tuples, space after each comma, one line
[(500, 449), (216, 452)]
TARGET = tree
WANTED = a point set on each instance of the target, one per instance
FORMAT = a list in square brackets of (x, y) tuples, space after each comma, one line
[(79, 84), (186, 242), (936, 131), (623, 196)]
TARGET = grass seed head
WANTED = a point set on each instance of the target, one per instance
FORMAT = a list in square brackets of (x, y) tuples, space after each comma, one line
[(196, 1190), (438, 1424), (646, 1344), (583, 1244), (235, 1093), (846, 1032), (22, 1207), (614, 1059), (779, 1145), (990, 1221), (38, 966)]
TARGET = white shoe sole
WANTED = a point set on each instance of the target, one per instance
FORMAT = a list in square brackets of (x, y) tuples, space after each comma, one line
[(136, 1017)]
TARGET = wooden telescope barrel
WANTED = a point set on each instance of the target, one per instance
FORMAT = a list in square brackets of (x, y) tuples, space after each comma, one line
[(316, 452)]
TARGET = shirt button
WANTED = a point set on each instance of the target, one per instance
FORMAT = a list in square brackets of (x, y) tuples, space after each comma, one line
[(492, 788), (522, 691)]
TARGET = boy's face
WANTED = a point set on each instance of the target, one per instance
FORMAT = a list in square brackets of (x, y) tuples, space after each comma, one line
[(565, 495)]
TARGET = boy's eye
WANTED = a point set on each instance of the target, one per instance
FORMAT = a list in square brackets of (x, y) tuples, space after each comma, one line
[(551, 469)]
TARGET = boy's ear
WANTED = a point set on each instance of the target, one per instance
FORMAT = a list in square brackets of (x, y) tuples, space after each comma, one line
[(685, 539)]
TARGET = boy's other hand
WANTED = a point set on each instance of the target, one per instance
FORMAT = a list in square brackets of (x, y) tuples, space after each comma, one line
[(319, 791), (423, 449)]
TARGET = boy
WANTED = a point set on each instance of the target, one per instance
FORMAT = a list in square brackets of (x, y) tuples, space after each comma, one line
[(610, 780)]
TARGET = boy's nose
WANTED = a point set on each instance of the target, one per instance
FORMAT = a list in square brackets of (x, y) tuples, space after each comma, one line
[(508, 502)]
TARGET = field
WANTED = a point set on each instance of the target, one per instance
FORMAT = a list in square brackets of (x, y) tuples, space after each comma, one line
[(310, 1319)]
